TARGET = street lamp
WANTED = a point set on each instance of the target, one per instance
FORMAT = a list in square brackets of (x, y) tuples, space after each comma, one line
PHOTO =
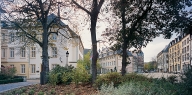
[(67, 55)]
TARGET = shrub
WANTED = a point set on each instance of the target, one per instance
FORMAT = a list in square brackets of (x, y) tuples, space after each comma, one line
[(67, 77), (135, 77), (7, 72), (53, 78), (109, 78), (31, 92), (11, 80), (138, 88), (57, 74), (80, 74), (53, 92), (40, 93), (172, 79), (186, 83)]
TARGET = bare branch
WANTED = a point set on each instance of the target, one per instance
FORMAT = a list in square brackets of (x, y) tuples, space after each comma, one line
[(81, 7), (100, 4), (27, 34)]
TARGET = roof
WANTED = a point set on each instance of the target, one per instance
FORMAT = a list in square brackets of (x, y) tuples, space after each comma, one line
[(166, 49), (52, 17), (86, 51)]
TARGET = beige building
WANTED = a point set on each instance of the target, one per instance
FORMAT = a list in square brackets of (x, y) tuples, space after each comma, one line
[(1, 11), (175, 51), (27, 57), (185, 63), (112, 61)]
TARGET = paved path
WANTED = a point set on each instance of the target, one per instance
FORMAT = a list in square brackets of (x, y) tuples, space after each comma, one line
[(6, 87), (159, 75)]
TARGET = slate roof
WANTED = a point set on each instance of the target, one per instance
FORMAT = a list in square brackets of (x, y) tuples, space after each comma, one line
[(86, 51)]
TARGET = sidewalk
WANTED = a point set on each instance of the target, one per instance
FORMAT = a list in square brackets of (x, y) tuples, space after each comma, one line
[(6, 87)]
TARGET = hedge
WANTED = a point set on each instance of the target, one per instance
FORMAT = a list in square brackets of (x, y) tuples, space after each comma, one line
[(11, 80)]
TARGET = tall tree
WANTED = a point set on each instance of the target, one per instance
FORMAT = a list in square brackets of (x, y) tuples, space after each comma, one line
[(33, 14), (93, 12), (139, 22)]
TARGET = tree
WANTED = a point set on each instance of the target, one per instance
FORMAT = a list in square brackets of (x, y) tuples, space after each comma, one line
[(93, 12), (29, 15), (139, 21), (86, 62)]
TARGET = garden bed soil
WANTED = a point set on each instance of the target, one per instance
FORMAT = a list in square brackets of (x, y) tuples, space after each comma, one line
[(71, 89)]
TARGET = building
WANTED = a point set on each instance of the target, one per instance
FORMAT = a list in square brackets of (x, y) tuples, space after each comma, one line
[(1, 11), (27, 57), (163, 60), (186, 47), (175, 55), (112, 61)]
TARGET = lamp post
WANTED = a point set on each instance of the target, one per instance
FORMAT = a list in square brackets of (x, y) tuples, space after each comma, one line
[(67, 55)]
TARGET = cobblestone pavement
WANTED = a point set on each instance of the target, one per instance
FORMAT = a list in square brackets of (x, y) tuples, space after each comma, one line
[(6, 87), (160, 75)]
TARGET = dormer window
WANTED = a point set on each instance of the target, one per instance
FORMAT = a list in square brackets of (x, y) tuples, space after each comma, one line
[(54, 37), (11, 37)]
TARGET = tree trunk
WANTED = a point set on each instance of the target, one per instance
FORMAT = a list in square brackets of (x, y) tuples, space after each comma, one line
[(94, 45), (45, 60), (124, 57)]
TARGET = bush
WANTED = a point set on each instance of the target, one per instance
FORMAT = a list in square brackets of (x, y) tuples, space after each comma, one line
[(56, 75), (67, 78), (117, 78), (172, 79), (109, 78), (53, 78), (135, 77), (80, 74), (11, 80), (139, 88), (40, 93), (186, 83), (31, 92), (7, 72)]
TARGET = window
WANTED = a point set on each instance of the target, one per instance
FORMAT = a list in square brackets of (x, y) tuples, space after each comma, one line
[(33, 51), (187, 48), (22, 68), (11, 52), (3, 36), (3, 53), (187, 40), (32, 68), (54, 51), (11, 37), (22, 52), (187, 56), (22, 38), (54, 37)]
